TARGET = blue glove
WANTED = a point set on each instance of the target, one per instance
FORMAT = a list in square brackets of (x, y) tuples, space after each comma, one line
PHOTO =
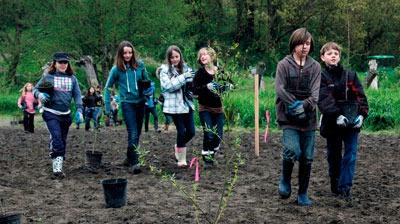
[(149, 91), (296, 108), (36, 107), (78, 117), (342, 121), (22, 107), (44, 97), (358, 121)]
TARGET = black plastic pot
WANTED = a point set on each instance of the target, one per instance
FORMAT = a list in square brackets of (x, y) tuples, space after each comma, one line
[(10, 219), (115, 191), (349, 109), (93, 159)]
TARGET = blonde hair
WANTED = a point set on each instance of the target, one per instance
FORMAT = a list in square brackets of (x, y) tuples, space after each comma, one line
[(330, 45), (24, 90), (210, 51)]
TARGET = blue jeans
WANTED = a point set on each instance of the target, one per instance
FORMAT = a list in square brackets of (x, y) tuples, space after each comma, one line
[(213, 125), (153, 111), (298, 145), (342, 167), (58, 127), (90, 114), (133, 115), (185, 128)]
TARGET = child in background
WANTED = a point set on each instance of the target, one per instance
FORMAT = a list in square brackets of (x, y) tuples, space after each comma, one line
[(90, 101), (29, 105), (151, 102), (211, 111), (57, 107), (340, 85), (297, 84)]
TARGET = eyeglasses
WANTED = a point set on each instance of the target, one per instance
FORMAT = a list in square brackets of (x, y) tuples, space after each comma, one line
[(63, 62)]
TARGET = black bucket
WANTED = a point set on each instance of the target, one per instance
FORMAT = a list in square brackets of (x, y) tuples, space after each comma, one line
[(10, 219), (93, 159), (349, 109), (115, 192)]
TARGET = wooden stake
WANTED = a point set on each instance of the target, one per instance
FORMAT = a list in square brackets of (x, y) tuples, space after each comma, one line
[(256, 119)]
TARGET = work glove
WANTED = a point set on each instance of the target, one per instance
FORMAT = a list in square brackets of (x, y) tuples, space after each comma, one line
[(44, 97), (36, 107), (296, 108), (188, 76), (358, 121), (229, 86), (22, 107), (149, 91), (78, 117), (342, 121), (212, 86)]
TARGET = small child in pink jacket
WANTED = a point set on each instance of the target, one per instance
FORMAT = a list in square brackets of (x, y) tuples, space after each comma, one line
[(29, 105)]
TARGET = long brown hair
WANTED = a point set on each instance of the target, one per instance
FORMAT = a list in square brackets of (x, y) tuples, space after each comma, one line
[(300, 36), (119, 57), (168, 55)]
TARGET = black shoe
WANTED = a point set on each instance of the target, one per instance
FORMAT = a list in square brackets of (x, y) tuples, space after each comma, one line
[(126, 162), (334, 186), (346, 195), (136, 169), (58, 175)]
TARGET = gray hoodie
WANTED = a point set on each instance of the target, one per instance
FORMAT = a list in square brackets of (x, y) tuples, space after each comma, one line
[(292, 85)]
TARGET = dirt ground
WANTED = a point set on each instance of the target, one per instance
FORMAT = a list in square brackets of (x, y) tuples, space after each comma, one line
[(26, 186)]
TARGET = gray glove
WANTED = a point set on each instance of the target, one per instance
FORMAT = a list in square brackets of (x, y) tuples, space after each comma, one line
[(44, 97)]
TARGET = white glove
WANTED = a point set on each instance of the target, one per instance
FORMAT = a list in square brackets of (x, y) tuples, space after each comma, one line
[(342, 121), (188, 75), (229, 86), (358, 121), (211, 86), (44, 97)]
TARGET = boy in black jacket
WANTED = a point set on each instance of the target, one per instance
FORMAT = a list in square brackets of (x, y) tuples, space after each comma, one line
[(344, 106)]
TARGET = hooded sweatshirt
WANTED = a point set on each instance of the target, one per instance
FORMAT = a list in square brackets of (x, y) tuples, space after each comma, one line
[(292, 84)]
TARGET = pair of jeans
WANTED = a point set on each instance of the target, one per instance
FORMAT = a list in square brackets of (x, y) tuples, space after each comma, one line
[(58, 127), (298, 145), (185, 128), (342, 167), (213, 124), (29, 123), (153, 111), (90, 114), (133, 115)]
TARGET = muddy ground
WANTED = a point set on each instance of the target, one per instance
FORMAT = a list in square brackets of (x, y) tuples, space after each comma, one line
[(26, 186)]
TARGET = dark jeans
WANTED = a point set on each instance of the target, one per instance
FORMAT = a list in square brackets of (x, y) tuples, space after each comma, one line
[(58, 127), (29, 122), (185, 128), (153, 111), (342, 167), (213, 125), (90, 114), (133, 115)]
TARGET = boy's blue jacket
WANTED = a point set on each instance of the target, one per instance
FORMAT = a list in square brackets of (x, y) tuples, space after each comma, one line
[(127, 84)]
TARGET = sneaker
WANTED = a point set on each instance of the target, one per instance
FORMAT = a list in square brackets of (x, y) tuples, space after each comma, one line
[(136, 169), (58, 175), (346, 195)]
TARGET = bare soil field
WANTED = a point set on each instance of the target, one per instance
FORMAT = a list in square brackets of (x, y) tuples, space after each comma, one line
[(26, 185)]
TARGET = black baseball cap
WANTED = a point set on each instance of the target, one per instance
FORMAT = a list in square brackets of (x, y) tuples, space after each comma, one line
[(61, 56)]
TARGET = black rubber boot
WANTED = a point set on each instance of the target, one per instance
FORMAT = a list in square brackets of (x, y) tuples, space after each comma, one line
[(133, 160), (334, 185), (285, 188), (304, 179)]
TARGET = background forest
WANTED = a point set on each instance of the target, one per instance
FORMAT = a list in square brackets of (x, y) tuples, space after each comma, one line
[(244, 32)]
